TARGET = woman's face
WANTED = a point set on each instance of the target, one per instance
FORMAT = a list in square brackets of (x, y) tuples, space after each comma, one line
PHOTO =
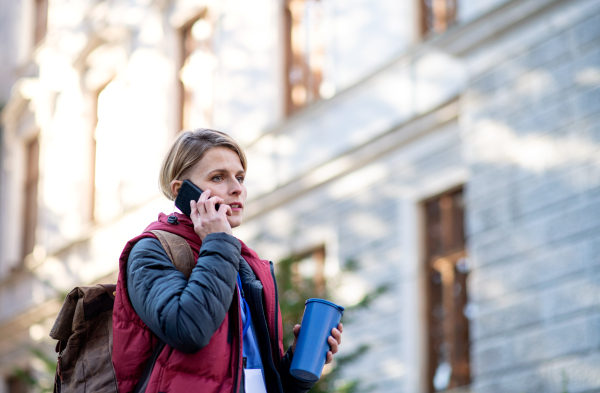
[(221, 172)]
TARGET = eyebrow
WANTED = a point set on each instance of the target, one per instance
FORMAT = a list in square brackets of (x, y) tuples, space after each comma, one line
[(242, 172)]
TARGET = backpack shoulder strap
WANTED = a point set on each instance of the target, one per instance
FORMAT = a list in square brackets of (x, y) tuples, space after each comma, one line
[(180, 253), (178, 250)]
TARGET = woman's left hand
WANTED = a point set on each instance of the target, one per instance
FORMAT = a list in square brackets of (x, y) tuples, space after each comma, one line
[(334, 340)]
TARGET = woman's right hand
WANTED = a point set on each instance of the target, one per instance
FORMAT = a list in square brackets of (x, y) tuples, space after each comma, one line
[(206, 218)]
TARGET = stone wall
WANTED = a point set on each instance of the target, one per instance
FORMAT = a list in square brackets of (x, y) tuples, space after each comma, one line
[(359, 219), (533, 145), (348, 173)]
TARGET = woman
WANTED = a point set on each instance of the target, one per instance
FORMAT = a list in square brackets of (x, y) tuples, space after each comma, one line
[(222, 326)]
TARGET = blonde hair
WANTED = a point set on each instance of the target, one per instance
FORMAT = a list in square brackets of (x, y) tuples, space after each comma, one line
[(187, 150)]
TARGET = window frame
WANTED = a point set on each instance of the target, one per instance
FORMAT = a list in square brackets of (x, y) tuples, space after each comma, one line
[(95, 101), (311, 80), (444, 261), (30, 194), (442, 25), (40, 27), (184, 97)]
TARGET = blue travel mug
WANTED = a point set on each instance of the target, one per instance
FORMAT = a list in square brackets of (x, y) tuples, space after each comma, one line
[(320, 316)]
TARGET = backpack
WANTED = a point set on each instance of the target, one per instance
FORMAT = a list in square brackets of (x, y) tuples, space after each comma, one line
[(83, 329)]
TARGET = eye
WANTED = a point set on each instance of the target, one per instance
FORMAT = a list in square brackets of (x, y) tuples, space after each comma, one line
[(240, 179), (217, 178)]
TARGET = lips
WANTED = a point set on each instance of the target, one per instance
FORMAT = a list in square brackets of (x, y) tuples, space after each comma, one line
[(236, 205)]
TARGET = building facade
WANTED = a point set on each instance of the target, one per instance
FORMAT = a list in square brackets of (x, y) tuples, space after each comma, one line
[(431, 165)]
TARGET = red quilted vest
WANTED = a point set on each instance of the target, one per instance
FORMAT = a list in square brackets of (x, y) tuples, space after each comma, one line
[(216, 367)]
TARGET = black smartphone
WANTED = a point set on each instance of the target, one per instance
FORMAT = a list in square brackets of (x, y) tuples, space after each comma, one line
[(187, 192)]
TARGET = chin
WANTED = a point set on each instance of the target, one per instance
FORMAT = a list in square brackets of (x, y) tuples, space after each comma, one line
[(235, 222)]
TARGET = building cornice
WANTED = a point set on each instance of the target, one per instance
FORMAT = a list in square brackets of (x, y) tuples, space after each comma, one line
[(458, 41), (397, 136)]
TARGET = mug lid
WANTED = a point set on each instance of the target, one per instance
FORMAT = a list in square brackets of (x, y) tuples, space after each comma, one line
[(339, 308)]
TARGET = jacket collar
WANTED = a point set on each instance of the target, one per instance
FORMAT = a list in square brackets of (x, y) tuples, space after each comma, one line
[(184, 227)]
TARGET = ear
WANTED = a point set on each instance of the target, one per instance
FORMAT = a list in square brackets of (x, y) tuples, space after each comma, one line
[(175, 186)]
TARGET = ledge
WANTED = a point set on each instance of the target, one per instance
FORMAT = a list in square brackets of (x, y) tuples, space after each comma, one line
[(343, 164)]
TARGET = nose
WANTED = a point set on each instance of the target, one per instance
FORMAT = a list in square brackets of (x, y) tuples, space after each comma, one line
[(235, 187)]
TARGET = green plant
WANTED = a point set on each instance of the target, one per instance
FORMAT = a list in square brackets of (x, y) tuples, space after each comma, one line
[(293, 291), (565, 382), (40, 384)]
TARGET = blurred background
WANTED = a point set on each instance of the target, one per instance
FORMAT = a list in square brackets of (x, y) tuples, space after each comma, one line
[(432, 165)]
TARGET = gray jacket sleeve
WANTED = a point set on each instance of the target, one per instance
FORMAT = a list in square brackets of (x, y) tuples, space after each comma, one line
[(184, 314)]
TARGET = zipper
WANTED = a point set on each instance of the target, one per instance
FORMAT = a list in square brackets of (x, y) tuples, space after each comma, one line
[(238, 388), (257, 309), (276, 314)]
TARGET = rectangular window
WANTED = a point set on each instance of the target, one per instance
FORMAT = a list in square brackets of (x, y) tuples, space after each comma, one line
[(304, 53), (437, 16), (41, 20), (299, 277), (446, 271), (196, 73), (30, 195)]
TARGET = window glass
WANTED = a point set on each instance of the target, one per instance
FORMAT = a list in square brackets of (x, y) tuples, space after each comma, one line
[(447, 268), (196, 74), (437, 16), (304, 53)]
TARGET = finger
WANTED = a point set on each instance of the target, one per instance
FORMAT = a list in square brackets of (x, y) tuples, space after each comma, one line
[(211, 202), (337, 335), (333, 344), (227, 209), (202, 202), (204, 196), (296, 332), (194, 212), (340, 327), (221, 202), (328, 358), (217, 200)]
